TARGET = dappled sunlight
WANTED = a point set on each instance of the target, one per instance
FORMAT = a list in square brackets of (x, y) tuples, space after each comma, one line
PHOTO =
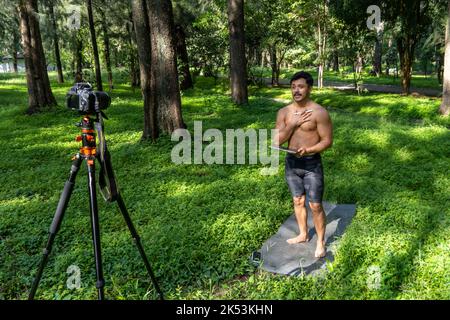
[(374, 110), (442, 183), (402, 155), (179, 189), (360, 163), (235, 232), (200, 223), (19, 201), (122, 138), (373, 138), (433, 255)]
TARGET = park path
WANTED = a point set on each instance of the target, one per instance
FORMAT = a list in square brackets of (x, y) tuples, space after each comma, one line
[(385, 88)]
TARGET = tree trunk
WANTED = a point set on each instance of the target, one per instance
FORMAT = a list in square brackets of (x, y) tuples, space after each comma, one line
[(79, 59), (335, 61), (388, 56), (56, 42), (258, 57), (321, 53), (164, 65), (134, 72), (238, 63), (16, 46), (98, 74), (412, 17), (15, 60), (274, 65), (444, 108), (134, 67), (186, 82), (107, 51), (439, 67), (39, 90), (396, 69), (359, 64), (320, 76), (377, 55), (406, 52), (142, 31), (250, 53)]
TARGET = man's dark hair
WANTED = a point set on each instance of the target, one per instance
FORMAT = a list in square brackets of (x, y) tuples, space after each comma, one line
[(304, 75)]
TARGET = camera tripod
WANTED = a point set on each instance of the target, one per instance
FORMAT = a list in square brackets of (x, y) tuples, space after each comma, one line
[(89, 152)]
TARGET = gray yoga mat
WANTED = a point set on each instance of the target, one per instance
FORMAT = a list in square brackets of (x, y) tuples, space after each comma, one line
[(277, 256)]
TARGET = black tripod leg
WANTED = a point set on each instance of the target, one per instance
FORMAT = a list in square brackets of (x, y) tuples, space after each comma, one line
[(137, 240), (57, 219), (95, 230)]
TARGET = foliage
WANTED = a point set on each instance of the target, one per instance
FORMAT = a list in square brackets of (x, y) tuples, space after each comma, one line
[(208, 43), (9, 28)]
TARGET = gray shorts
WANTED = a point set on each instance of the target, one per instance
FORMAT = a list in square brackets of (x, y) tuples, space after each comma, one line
[(305, 175)]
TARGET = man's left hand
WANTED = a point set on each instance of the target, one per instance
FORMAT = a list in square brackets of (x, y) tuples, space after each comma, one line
[(302, 151)]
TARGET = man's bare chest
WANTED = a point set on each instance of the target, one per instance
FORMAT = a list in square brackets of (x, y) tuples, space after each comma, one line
[(306, 127)]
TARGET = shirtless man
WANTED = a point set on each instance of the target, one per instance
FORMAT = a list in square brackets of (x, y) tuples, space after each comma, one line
[(307, 128)]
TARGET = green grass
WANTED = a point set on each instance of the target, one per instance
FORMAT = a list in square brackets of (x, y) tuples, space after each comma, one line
[(417, 80), (347, 76), (200, 223)]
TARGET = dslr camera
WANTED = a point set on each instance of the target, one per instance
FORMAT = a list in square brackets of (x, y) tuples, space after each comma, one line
[(85, 100)]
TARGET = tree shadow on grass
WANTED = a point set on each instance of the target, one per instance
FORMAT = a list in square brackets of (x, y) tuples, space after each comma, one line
[(404, 205)]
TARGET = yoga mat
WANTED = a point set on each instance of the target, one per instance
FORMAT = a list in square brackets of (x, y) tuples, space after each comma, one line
[(277, 256)]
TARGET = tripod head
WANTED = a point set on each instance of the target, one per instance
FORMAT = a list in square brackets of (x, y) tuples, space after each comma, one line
[(87, 138), (90, 150)]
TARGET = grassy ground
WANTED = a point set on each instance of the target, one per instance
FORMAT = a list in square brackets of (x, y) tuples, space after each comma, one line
[(417, 80), (200, 223), (347, 76)]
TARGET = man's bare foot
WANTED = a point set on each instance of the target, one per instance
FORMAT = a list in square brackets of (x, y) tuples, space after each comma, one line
[(320, 250), (299, 239)]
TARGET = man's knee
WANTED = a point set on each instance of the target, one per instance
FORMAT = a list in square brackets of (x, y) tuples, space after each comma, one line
[(299, 201), (316, 207)]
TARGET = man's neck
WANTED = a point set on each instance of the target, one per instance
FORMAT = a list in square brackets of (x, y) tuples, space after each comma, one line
[(302, 104)]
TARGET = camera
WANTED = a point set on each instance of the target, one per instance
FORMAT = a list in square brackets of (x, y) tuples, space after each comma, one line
[(85, 100)]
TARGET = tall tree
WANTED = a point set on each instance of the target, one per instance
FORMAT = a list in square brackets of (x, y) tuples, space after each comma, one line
[(39, 90), (164, 65), (15, 43), (142, 30), (412, 18), (238, 62), (107, 50), (274, 40), (9, 31), (132, 47), (320, 15), (98, 73), (208, 44), (78, 57), (185, 13), (186, 81), (51, 10), (444, 108), (377, 55)]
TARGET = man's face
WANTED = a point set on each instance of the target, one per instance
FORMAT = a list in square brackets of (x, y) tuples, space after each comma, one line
[(300, 90)]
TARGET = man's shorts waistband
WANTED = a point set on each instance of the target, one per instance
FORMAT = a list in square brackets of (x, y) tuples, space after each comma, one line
[(315, 156)]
